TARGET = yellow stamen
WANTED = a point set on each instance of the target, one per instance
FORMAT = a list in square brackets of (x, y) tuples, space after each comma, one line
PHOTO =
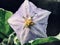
[(28, 22)]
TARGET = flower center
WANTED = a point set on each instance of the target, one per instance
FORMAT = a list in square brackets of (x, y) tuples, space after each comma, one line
[(28, 22)]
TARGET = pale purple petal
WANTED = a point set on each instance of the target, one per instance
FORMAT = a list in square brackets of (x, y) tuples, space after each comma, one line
[(41, 14), (40, 19)]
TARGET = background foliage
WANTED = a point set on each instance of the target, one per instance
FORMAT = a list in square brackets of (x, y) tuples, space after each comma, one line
[(5, 29)]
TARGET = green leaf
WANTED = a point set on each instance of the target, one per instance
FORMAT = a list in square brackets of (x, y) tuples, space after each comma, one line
[(5, 29), (43, 40)]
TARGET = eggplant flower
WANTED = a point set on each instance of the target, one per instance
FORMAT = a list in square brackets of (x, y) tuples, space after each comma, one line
[(29, 22)]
